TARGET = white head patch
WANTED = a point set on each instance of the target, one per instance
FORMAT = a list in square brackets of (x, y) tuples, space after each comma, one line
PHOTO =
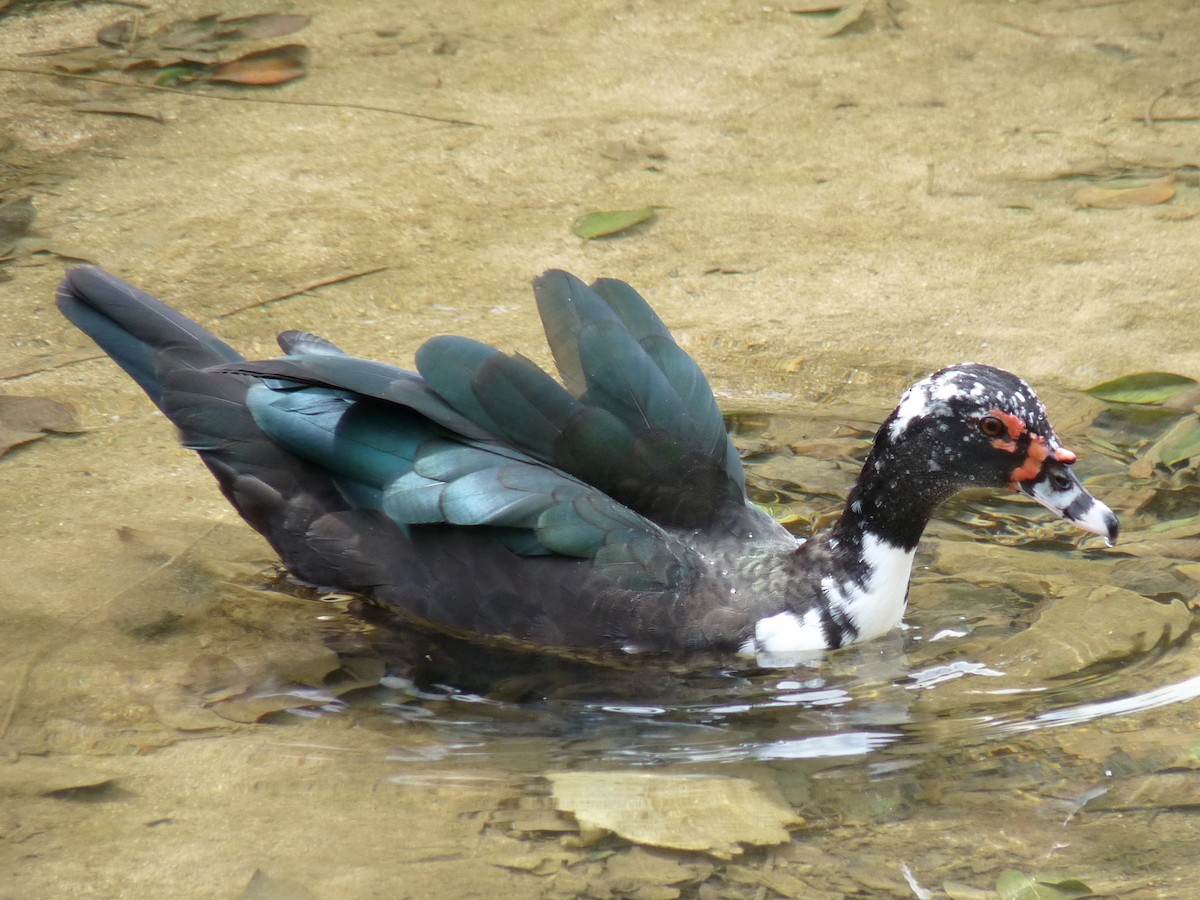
[(961, 386)]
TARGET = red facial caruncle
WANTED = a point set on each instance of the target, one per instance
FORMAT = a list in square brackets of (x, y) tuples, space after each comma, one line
[(1007, 434)]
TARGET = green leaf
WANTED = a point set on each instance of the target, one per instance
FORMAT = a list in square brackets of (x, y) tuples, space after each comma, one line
[(177, 74), (613, 221), (1144, 387), (1179, 444), (782, 514), (1014, 885)]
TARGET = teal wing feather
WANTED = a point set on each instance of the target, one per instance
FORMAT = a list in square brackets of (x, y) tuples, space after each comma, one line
[(549, 511), (615, 355), (701, 422), (305, 343), (508, 396), (393, 458), (518, 402), (365, 378)]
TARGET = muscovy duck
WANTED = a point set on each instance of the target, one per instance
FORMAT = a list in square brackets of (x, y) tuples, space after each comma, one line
[(484, 499)]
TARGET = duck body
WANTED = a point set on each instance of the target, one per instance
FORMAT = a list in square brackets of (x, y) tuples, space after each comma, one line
[(480, 497)]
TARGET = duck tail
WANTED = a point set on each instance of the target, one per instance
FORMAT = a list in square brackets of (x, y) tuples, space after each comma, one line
[(181, 366), (143, 335)]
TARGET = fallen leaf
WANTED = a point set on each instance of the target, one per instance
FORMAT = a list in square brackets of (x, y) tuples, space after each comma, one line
[(33, 776), (1158, 191), (602, 224), (252, 707), (90, 106), (713, 814), (216, 677), (87, 59), (1085, 627), (1014, 885), (16, 217), (1152, 388), (637, 866), (266, 887), (189, 34), (264, 25), (24, 419), (1179, 444), (1160, 791), (844, 18), (263, 68), (118, 34), (10, 439)]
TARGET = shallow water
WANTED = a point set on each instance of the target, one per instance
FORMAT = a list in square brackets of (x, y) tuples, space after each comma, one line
[(837, 217), (992, 720)]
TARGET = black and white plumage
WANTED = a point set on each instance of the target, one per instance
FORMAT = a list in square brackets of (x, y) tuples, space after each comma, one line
[(481, 497)]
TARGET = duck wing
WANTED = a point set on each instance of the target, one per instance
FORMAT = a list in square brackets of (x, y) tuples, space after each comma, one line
[(402, 459), (637, 418)]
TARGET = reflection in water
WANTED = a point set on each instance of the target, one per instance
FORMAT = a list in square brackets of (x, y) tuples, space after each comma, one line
[(1121, 706)]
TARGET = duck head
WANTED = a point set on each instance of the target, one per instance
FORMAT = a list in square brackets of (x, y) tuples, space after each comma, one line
[(970, 425)]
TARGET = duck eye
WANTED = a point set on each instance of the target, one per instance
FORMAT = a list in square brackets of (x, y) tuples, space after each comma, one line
[(992, 427)]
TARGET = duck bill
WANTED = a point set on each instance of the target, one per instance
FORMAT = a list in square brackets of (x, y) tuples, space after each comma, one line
[(1058, 489)]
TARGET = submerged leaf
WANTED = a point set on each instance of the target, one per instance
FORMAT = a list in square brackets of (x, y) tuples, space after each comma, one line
[(24, 419), (263, 68), (178, 73), (844, 13), (1014, 885), (16, 217), (844, 18), (37, 414), (118, 34), (1158, 191), (1144, 387), (1179, 444), (1160, 791), (713, 814), (264, 25), (602, 224), (32, 776)]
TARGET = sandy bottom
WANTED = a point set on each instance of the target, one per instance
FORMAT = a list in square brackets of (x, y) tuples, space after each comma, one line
[(837, 215)]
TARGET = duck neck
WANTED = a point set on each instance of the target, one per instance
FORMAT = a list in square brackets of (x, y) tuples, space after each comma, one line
[(893, 500)]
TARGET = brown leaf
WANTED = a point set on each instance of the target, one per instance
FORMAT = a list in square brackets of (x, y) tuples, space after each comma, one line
[(91, 106), (262, 68), (260, 27), (118, 34), (1166, 790), (1158, 191), (16, 216), (1084, 627), (10, 438), (37, 414), (713, 814), (87, 59), (31, 776), (24, 419), (197, 34)]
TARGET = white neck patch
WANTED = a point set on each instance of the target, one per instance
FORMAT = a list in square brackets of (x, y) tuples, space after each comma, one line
[(874, 609), (878, 606)]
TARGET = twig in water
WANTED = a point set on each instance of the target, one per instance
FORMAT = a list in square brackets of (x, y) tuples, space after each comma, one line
[(323, 282), (272, 100)]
